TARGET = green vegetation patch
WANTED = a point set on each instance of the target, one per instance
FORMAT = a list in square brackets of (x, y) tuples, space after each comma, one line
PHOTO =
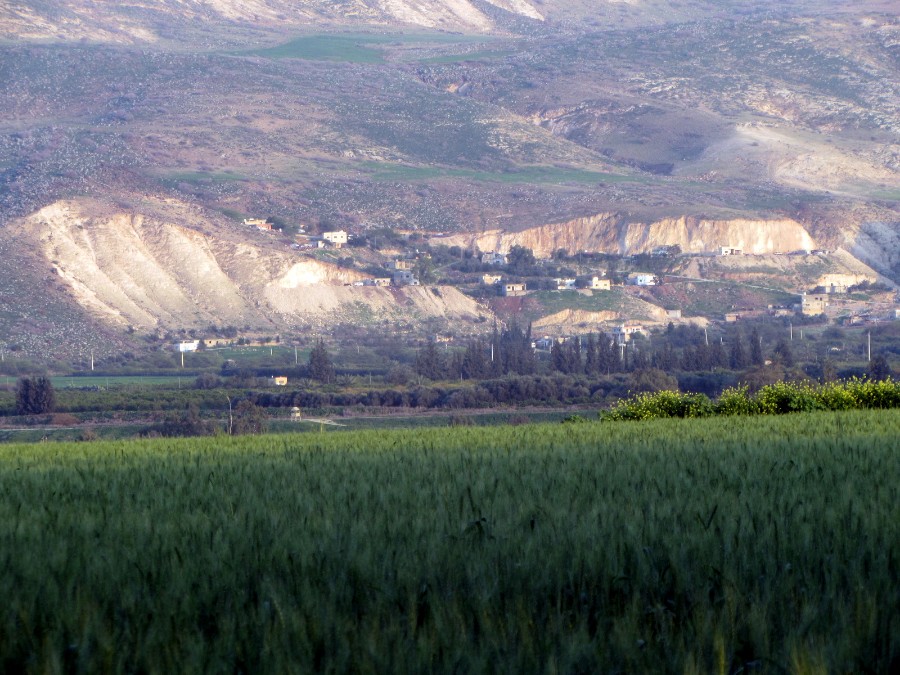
[(352, 48), (715, 545), (773, 399)]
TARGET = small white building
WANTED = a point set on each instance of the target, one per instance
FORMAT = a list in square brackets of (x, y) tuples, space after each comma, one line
[(258, 223), (642, 279), (405, 278), (811, 305), (600, 284), (493, 258), (401, 264), (491, 279), (730, 250), (336, 239), (512, 290), (622, 333), (565, 284)]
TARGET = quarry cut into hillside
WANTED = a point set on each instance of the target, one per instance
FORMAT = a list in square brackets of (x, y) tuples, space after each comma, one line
[(150, 270), (614, 233)]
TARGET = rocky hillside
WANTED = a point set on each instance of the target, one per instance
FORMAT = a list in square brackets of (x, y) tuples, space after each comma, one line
[(153, 270), (131, 22), (148, 22), (146, 131), (616, 233)]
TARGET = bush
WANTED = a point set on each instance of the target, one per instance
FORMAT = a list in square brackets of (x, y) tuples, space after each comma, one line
[(660, 404), (787, 397), (736, 401), (778, 398)]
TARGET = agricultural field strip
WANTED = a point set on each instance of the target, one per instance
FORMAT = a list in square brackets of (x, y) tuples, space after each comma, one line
[(642, 547)]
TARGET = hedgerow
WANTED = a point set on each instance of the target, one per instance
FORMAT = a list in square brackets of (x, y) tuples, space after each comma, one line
[(773, 399)]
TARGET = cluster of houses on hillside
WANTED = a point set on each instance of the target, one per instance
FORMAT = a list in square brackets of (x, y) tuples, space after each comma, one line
[(595, 283), (336, 239)]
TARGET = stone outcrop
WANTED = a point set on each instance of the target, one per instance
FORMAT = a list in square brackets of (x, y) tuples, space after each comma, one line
[(615, 233)]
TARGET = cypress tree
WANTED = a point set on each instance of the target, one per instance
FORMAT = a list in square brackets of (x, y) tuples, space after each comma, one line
[(320, 366)]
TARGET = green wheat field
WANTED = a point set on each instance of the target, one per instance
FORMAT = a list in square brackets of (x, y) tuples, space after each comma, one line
[(719, 545)]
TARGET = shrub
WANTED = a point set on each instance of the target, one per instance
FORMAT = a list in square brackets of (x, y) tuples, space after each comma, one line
[(736, 401), (574, 419), (787, 397), (659, 405), (778, 398)]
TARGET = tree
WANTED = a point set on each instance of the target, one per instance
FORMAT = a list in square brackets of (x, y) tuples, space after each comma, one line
[(474, 362), (784, 354), (320, 366), (35, 396), (879, 368), (249, 418), (520, 259), (591, 356), (756, 352), (430, 363), (737, 357), (651, 379)]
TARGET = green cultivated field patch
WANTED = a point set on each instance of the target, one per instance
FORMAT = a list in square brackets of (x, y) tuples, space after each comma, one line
[(751, 544), (326, 48)]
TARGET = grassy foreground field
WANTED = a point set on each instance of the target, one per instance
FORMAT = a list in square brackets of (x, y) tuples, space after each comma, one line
[(723, 545)]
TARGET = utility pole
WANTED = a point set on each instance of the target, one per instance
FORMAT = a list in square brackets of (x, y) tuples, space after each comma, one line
[(791, 324), (870, 346)]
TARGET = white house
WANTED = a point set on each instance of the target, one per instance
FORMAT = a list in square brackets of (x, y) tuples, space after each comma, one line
[(258, 223), (405, 278), (492, 258), (336, 239), (600, 284), (642, 279), (511, 290), (730, 250), (623, 332), (565, 284)]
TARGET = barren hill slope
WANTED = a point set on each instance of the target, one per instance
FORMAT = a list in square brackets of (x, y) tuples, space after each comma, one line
[(153, 271), (608, 125)]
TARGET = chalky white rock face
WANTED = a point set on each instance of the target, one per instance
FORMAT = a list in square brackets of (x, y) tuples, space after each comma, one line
[(137, 22), (153, 269), (611, 233)]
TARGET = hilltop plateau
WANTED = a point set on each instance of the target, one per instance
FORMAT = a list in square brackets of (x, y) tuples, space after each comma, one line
[(136, 138)]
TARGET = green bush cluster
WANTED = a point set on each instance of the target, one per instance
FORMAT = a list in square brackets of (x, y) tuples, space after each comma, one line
[(774, 399)]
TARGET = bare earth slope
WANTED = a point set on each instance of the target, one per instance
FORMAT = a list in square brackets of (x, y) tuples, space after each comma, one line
[(153, 272)]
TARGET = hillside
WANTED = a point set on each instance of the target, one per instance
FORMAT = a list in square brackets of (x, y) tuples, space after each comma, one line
[(602, 126), (154, 270)]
